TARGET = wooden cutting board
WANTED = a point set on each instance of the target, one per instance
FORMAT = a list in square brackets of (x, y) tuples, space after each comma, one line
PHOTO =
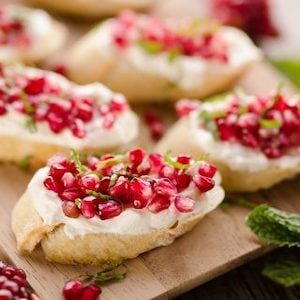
[(218, 244)]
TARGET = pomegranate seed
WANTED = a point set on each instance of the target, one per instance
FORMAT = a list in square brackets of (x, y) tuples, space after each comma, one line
[(207, 170), (136, 156), (92, 163), (68, 180), (118, 103), (90, 182), (184, 159), (11, 286), (167, 172), (165, 187), (249, 121), (73, 290), (104, 185), (2, 108), (91, 292), (184, 107), (272, 152), (109, 120), (156, 161), (141, 192), (61, 69), (88, 207), (6, 295), (159, 203), (56, 159), (56, 122), (109, 209), (35, 86), (70, 194), (78, 128), (53, 185), (120, 189), (157, 130), (70, 209), (203, 183), (183, 180), (184, 204), (143, 168)]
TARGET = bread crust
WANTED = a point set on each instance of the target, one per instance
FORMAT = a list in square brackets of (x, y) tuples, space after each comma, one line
[(180, 140), (96, 249), (14, 149), (88, 62), (94, 8)]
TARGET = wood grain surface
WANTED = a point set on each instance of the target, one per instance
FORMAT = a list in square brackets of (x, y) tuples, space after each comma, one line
[(218, 244)]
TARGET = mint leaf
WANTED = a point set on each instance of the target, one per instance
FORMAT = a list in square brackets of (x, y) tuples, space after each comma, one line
[(110, 273), (285, 273), (266, 123), (150, 47), (274, 226), (98, 195), (76, 158), (290, 68)]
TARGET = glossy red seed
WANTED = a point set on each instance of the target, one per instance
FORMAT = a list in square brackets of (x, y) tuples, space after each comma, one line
[(159, 203), (118, 103), (109, 121), (6, 295), (183, 180), (90, 181), (70, 209), (92, 163), (165, 187), (141, 192), (72, 290), (203, 183), (53, 185), (272, 152), (249, 121), (88, 207), (70, 194), (184, 204), (104, 185), (143, 168), (120, 189), (207, 170), (136, 156), (184, 159), (2, 108), (185, 107), (57, 159), (68, 180), (35, 86), (156, 161), (90, 292), (157, 130), (78, 128), (167, 171), (11, 286), (109, 209)]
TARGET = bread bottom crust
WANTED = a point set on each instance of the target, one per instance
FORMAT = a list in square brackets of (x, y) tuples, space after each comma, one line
[(181, 141), (14, 149), (97, 248)]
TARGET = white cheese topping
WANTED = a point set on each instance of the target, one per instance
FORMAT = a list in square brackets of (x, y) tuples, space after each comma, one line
[(236, 156), (130, 222)]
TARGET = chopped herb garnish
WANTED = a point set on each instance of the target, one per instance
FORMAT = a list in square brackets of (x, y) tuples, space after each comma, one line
[(285, 273), (29, 109), (24, 163), (98, 195), (150, 47), (76, 158), (173, 54), (78, 201), (174, 163), (274, 226), (266, 123), (31, 124)]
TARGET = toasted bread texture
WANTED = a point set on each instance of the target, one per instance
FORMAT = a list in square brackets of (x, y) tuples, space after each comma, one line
[(181, 140), (95, 248)]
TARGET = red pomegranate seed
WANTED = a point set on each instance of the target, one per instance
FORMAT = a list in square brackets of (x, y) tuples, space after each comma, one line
[(73, 290), (184, 204), (118, 103), (167, 171), (56, 159), (109, 120), (11, 286), (68, 180), (120, 189), (141, 192), (88, 207), (136, 156), (157, 130), (143, 168), (35, 86), (183, 159), (56, 123), (70, 194), (104, 185), (272, 152), (53, 185), (70, 209), (61, 69), (159, 203), (203, 183), (2, 108), (78, 128), (6, 295), (156, 161), (57, 171), (165, 187), (92, 163), (184, 107), (109, 209), (207, 170), (249, 121), (90, 292), (90, 181), (183, 180)]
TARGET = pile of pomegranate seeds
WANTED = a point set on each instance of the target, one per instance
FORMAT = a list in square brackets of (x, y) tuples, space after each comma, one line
[(153, 36), (76, 290), (270, 124), (155, 124), (12, 30), (106, 186), (250, 15), (13, 284), (43, 101)]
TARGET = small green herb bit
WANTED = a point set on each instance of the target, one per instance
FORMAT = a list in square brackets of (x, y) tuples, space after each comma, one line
[(150, 47), (274, 226), (29, 109), (285, 273), (265, 123), (169, 160), (76, 158), (24, 163)]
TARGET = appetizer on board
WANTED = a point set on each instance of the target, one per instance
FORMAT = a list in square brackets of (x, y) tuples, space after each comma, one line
[(93, 8), (114, 207), (147, 59), (253, 140), (42, 113), (28, 35)]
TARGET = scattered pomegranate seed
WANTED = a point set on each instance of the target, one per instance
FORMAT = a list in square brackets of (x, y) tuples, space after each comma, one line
[(207, 170), (159, 203), (88, 207), (184, 107), (90, 182), (90, 292), (184, 204), (73, 290), (136, 156), (109, 209), (203, 183), (141, 192)]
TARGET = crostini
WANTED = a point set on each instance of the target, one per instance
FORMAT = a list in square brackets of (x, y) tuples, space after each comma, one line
[(147, 59), (253, 140), (28, 35), (93, 8), (114, 207), (42, 113)]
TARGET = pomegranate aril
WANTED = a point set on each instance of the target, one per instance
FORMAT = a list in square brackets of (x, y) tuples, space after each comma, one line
[(104, 184), (183, 159), (35, 86), (72, 290), (109, 209), (70, 194), (167, 171), (70, 209), (11, 286), (156, 161), (118, 103), (90, 181), (90, 292), (92, 163), (249, 121), (78, 128), (184, 204), (57, 159), (68, 180), (143, 168), (109, 120), (203, 183), (185, 107), (2, 108), (183, 180), (207, 170), (6, 295), (121, 188), (141, 192), (159, 203), (136, 156), (53, 185), (165, 187), (272, 152), (88, 207), (157, 130)]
